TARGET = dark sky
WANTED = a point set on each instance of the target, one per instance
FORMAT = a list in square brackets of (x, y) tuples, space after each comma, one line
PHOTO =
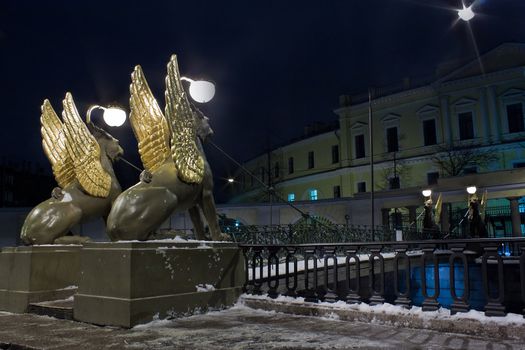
[(277, 65)]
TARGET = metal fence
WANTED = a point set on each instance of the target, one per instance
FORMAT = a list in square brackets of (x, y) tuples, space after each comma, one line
[(461, 274)]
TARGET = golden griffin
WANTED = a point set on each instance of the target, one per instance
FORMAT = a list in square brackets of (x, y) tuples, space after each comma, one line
[(81, 158), (177, 176)]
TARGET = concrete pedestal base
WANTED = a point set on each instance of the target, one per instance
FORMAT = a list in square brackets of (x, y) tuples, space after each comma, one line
[(38, 273), (128, 283)]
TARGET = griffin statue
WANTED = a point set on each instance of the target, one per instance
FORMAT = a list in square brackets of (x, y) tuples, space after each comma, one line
[(81, 157), (177, 176)]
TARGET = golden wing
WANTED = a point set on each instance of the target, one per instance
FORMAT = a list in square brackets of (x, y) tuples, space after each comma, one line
[(184, 150), (483, 204), (54, 143), (148, 122), (85, 152)]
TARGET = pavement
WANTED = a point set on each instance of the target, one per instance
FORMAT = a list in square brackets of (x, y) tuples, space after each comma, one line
[(239, 327)]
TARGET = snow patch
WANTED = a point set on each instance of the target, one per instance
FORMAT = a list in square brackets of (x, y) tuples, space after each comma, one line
[(204, 287)]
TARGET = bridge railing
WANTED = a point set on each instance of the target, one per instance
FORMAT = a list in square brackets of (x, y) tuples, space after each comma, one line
[(460, 274)]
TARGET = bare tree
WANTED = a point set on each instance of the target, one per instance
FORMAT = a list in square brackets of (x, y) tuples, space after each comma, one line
[(453, 159)]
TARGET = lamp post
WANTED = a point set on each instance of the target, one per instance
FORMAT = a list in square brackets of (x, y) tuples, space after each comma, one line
[(201, 91), (113, 116), (371, 143), (466, 13)]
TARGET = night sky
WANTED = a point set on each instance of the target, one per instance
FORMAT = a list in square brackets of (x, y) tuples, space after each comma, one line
[(277, 65)]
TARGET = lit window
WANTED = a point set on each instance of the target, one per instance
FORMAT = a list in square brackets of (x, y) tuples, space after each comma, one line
[(313, 195), (521, 207), (291, 197)]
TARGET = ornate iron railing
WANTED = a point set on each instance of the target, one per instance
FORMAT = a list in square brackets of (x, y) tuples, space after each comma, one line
[(461, 274), (291, 234)]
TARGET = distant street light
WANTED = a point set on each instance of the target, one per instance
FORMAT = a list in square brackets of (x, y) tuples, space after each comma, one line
[(230, 180), (113, 116), (466, 13), (200, 90), (426, 193), (471, 189)]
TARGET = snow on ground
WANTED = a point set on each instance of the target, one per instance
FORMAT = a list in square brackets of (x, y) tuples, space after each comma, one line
[(441, 314)]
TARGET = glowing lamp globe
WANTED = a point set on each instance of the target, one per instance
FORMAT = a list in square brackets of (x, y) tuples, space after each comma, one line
[(471, 189), (230, 180), (200, 90), (466, 13), (114, 116), (426, 193)]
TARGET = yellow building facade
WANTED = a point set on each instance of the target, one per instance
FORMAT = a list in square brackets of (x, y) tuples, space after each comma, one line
[(472, 114)]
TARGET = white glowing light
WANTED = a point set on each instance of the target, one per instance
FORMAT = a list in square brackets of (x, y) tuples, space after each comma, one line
[(200, 90), (230, 180), (471, 189), (114, 116), (466, 13), (426, 193)]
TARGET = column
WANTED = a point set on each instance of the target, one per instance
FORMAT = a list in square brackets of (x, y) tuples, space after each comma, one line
[(446, 122), (485, 126), (444, 220), (495, 122), (384, 217), (515, 216), (412, 215)]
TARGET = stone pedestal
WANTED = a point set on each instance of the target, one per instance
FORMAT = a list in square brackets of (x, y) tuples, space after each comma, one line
[(38, 273), (128, 283)]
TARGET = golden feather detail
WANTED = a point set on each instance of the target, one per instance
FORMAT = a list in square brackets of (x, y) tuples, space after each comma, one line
[(148, 123), (54, 144), (184, 150), (84, 151)]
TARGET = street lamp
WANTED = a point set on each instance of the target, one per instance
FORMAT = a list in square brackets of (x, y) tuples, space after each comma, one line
[(201, 91), (426, 193), (466, 13), (471, 190), (230, 180), (113, 116)]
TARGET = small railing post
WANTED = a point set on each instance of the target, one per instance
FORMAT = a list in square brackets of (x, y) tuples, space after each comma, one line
[(247, 281), (291, 291), (402, 299), (272, 287), (330, 295), (257, 282), (310, 293), (522, 275), (353, 293), (430, 303), (459, 304), (494, 306), (376, 296)]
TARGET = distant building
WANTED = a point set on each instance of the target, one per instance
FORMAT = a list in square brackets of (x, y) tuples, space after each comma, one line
[(466, 126), (23, 184)]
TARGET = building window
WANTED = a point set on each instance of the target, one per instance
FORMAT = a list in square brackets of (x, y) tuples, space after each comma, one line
[(393, 182), (290, 165), (515, 117), (335, 154), (518, 165), (337, 191), (361, 187), (291, 197), (359, 141), (311, 160), (391, 140), (276, 170), (432, 178), (429, 132), (313, 195), (466, 126)]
